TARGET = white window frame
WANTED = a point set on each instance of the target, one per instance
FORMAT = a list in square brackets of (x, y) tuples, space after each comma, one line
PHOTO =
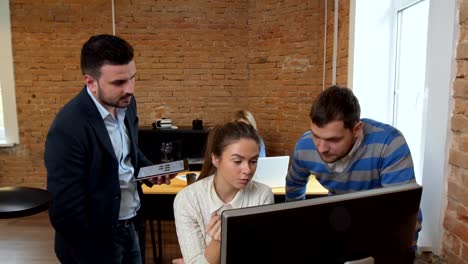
[(7, 79)]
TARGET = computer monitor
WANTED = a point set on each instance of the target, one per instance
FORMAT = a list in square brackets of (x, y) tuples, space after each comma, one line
[(379, 223)]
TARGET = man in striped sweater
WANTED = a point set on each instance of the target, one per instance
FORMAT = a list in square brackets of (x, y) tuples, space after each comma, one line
[(346, 153)]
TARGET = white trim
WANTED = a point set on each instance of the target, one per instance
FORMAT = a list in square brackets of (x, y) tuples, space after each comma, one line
[(352, 13), (395, 73), (440, 73), (325, 45), (7, 77), (3, 144), (113, 18), (404, 4), (335, 42)]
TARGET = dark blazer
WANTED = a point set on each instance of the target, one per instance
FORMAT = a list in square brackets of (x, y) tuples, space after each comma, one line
[(82, 176)]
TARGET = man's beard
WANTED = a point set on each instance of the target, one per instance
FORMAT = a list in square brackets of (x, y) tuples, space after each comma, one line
[(330, 161), (110, 103)]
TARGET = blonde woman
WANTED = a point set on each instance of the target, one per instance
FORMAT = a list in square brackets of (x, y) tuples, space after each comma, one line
[(247, 117)]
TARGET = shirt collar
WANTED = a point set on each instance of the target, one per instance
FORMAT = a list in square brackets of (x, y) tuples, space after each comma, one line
[(356, 145), (217, 205), (103, 111), (343, 162)]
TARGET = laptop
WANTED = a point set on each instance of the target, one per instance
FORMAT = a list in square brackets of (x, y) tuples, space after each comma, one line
[(272, 171)]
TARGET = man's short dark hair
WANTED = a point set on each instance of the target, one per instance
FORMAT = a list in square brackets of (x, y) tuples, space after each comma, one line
[(335, 104), (104, 49)]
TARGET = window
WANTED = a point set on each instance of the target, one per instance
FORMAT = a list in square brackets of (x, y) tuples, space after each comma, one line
[(8, 116), (384, 47), (410, 70), (389, 54)]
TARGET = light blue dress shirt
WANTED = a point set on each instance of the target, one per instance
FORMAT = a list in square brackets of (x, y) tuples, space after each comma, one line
[(130, 201)]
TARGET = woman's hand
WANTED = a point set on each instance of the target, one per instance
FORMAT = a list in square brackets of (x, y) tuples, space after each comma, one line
[(178, 261), (214, 227)]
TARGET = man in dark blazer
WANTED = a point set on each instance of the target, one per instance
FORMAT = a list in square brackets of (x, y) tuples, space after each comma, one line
[(92, 156)]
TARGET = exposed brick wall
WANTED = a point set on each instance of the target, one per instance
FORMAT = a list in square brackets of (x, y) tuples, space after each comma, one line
[(455, 243), (286, 65), (195, 59), (191, 59), (47, 38)]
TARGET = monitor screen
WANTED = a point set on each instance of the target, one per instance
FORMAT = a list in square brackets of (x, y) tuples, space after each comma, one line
[(379, 223)]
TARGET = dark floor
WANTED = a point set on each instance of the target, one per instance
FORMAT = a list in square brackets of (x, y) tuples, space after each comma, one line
[(171, 248), (428, 257), (30, 240)]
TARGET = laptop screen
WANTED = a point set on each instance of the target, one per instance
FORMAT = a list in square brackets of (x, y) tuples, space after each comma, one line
[(272, 171)]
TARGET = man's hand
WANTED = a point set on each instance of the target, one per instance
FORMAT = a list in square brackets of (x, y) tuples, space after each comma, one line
[(165, 179)]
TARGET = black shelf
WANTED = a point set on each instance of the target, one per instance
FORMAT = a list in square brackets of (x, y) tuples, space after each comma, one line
[(179, 130), (186, 143)]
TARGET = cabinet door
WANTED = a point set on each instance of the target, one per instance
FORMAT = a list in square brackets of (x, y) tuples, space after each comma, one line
[(167, 145)]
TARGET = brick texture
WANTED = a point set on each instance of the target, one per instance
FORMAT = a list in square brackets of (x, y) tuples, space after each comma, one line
[(195, 59), (286, 53), (455, 246)]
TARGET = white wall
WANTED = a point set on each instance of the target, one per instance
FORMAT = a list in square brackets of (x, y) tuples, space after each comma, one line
[(440, 72), (372, 51)]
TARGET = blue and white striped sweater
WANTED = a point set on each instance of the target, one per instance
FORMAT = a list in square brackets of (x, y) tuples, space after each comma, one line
[(382, 159)]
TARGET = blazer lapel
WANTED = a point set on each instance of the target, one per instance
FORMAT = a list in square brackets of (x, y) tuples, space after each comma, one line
[(129, 121), (96, 122)]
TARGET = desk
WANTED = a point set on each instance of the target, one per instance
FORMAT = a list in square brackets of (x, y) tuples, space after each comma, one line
[(313, 187), (158, 203), (22, 201)]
